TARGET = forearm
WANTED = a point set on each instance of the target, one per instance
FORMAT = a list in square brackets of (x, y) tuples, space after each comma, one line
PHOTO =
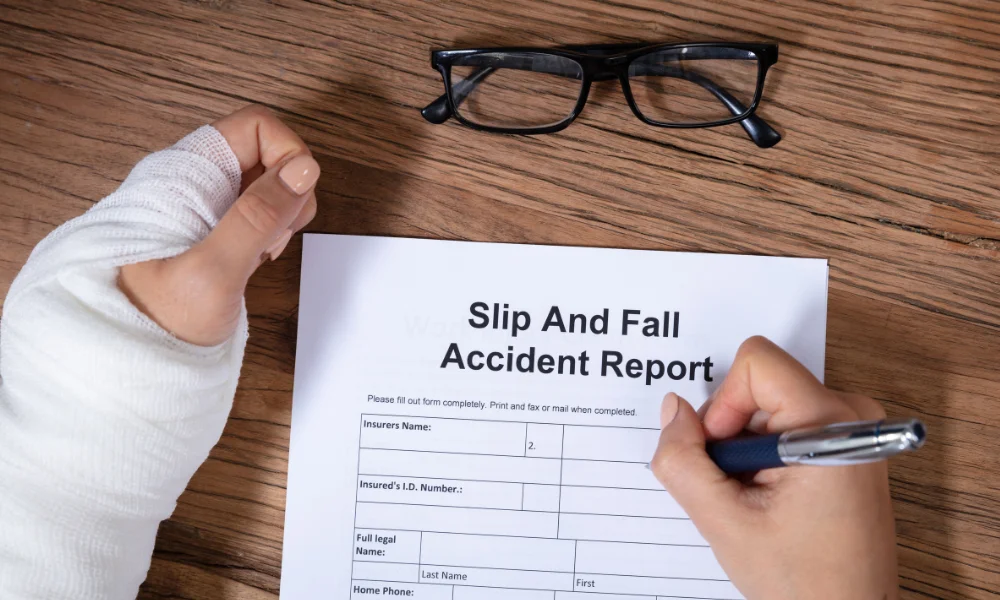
[(104, 416)]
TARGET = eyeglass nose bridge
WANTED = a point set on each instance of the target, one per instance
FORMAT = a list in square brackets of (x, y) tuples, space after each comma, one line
[(604, 75), (607, 68)]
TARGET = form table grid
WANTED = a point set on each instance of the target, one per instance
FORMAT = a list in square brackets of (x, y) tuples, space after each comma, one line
[(527, 510)]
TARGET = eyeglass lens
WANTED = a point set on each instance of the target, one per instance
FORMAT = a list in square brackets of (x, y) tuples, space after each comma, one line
[(516, 89), (694, 85)]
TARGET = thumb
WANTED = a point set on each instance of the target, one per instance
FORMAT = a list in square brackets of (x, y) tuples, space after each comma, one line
[(685, 469), (260, 221)]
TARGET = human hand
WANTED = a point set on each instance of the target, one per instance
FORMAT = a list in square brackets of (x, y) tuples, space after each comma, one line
[(197, 296), (795, 533)]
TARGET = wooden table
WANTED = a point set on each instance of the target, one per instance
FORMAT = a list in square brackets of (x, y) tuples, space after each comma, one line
[(890, 167)]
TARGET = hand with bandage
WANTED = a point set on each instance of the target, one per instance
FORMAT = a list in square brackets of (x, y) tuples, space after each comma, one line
[(198, 294), (120, 348)]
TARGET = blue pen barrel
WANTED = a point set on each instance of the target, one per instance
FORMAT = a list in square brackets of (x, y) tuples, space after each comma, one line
[(746, 454)]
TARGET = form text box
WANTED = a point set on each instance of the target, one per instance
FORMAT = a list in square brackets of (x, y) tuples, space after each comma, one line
[(497, 578), (458, 466), (471, 593), (629, 529), (609, 474), (541, 497), (647, 560), (630, 503), (440, 492), (543, 440), (376, 590), (387, 546), (381, 571), (656, 586), (590, 596), (442, 435), (408, 517), (497, 552), (609, 443)]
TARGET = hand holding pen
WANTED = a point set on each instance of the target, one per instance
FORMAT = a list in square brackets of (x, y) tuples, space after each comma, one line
[(837, 444), (831, 529)]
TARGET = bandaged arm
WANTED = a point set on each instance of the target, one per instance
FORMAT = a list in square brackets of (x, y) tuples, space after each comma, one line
[(104, 415)]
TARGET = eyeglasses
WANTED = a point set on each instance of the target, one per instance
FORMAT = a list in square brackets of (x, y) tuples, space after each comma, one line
[(539, 90)]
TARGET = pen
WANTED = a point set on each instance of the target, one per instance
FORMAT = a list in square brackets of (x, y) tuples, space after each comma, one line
[(837, 444)]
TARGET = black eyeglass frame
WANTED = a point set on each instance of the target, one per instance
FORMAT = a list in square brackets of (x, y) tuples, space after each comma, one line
[(604, 62)]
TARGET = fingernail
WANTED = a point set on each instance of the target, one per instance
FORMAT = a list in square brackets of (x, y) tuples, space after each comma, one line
[(300, 174), (279, 245), (668, 410)]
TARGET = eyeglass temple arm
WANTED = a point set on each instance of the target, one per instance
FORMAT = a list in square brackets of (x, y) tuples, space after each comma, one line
[(438, 112), (760, 132)]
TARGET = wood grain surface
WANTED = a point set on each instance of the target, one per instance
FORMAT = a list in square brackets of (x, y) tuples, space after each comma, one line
[(890, 167)]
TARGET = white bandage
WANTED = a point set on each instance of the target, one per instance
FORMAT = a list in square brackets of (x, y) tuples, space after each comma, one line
[(104, 416)]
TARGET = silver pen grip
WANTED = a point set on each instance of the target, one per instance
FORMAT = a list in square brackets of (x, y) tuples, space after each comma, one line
[(851, 443)]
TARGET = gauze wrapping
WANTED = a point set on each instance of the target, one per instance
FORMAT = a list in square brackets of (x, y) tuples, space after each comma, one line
[(104, 416)]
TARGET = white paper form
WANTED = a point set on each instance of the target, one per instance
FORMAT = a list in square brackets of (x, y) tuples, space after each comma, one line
[(472, 421)]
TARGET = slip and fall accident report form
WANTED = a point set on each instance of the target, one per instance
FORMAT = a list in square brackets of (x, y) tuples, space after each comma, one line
[(473, 421)]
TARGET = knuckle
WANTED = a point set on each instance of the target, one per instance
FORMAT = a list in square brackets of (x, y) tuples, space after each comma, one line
[(863, 407), (668, 461), (295, 147), (756, 344), (306, 216), (257, 211), (661, 468), (870, 408), (845, 414), (258, 110), (311, 209), (877, 410)]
